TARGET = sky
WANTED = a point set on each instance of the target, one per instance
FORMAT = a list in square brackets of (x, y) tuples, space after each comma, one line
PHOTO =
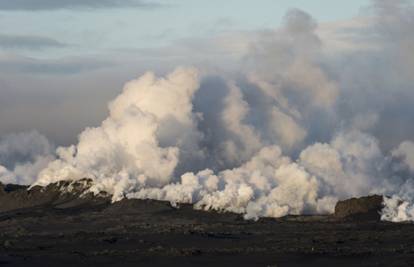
[(76, 29)]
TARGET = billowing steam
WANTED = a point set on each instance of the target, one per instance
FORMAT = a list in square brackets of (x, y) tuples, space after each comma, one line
[(298, 128), (23, 156)]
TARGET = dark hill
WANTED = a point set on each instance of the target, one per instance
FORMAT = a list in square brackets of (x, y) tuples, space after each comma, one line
[(364, 208)]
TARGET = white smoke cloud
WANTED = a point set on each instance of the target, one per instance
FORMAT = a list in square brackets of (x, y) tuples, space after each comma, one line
[(273, 185), (149, 130), (400, 206), (397, 210), (243, 141), (405, 151), (23, 156)]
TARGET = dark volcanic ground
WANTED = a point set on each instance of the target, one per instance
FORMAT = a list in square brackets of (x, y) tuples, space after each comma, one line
[(61, 230)]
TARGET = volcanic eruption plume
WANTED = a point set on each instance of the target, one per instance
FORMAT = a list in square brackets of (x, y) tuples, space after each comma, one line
[(300, 126)]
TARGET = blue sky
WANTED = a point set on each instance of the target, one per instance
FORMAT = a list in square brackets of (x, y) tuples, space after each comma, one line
[(86, 30)]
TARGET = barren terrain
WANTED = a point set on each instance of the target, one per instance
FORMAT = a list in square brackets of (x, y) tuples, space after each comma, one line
[(65, 230)]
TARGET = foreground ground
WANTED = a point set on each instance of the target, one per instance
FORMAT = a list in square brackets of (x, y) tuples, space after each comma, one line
[(152, 233)]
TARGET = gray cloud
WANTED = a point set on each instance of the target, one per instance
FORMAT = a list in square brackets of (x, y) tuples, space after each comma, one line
[(30, 42), (64, 66), (35, 5)]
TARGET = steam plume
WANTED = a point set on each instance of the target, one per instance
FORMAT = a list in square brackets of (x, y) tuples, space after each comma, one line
[(297, 129), (23, 156)]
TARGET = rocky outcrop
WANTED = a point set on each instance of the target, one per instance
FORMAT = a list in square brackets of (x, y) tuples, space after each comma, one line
[(363, 208), (60, 195)]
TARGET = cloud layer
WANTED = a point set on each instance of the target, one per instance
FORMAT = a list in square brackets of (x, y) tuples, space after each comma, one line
[(30, 5), (28, 42)]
